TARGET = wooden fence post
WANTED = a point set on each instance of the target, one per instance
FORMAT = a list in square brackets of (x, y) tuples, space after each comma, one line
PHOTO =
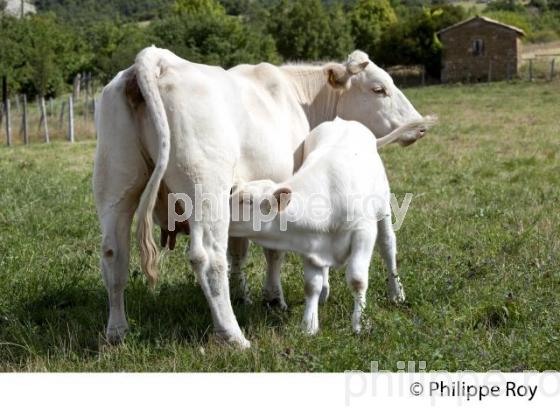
[(61, 117), (530, 69), (70, 119), (86, 103), (24, 121), (94, 109), (490, 71), (6, 101), (45, 122), (8, 123), (76, 89), (552, 69)]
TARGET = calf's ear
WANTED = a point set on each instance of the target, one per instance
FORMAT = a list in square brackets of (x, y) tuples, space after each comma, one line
[(283, 197), (356, 68), (357, 62)]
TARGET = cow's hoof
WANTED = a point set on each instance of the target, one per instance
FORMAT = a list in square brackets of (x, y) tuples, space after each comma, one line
[(276, 303), (398, 297), (242, 299), (240, 293), (237, 341), (325, 291), (115, 334)]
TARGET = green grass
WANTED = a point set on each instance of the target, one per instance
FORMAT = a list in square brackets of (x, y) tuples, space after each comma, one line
[(478, 252)]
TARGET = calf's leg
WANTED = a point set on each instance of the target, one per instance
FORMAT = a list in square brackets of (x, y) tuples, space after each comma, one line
[(313, 276), (362, 246), (325, 291), (387, 243)]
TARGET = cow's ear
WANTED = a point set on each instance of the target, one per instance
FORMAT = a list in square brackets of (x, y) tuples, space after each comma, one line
[(337, 75), (283, 197)]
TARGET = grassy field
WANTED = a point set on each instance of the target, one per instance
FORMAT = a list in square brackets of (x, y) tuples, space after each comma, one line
[(479, 256)]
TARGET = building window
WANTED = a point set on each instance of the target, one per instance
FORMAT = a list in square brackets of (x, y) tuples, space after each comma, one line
[(478, 47)]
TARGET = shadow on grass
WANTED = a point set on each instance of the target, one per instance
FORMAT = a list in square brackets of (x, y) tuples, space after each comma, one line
[(69, 320)]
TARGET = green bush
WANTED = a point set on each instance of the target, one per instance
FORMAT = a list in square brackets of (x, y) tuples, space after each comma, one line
[(307, 30), (212, 38)]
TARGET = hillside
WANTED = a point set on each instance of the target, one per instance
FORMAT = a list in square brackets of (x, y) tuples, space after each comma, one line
[(84, 10)]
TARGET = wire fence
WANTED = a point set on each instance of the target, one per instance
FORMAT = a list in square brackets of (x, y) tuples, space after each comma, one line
[(69, 117), (538, 67)]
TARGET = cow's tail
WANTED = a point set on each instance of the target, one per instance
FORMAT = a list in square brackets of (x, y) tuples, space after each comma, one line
[(412, 126), (147, 67)]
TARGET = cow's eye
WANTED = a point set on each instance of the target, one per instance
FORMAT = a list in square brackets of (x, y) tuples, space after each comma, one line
[(379, 90)]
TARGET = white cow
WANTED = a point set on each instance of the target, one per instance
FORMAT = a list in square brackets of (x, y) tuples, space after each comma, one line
[(331, 211), (169, 122)]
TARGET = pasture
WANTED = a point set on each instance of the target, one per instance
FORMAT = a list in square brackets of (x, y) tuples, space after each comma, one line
[(478, 256)]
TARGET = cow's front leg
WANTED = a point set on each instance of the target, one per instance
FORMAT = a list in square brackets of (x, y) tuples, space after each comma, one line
[(115, 251), (272, 289), (237, 255)]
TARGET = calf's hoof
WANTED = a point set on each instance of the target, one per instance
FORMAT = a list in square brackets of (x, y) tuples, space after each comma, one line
[(310, 328)]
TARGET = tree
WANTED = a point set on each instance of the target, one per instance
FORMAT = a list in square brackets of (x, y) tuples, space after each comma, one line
[(198, 7), (204, 33), (505, 5), (370, 18), (53, 54), (306, 30), (554, 5), (40, 54), (414, 40), (115, 45)]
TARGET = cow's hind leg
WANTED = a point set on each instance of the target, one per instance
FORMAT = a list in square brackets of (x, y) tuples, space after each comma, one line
[(209, 227), (273, 294), (115, 251), (387, 244), (237, 254)]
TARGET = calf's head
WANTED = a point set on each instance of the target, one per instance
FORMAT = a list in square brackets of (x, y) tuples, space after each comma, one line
[(255, 204), (373, 99)]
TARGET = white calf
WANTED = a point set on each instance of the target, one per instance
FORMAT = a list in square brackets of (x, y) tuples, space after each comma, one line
[(343, 170)]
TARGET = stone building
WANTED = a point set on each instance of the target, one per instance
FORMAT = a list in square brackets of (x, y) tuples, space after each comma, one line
[(480, 49)]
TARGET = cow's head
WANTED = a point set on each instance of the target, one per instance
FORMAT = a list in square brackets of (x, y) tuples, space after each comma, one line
[(371, 97)]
